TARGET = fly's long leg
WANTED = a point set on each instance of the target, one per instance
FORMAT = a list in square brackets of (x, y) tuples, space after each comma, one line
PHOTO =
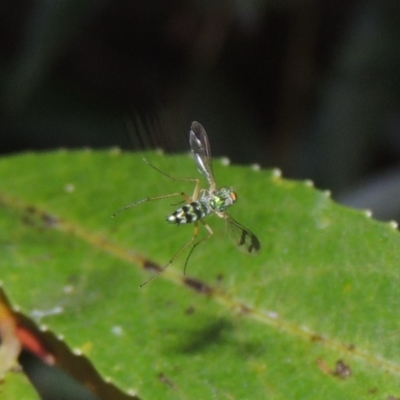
[(183, 248), (210, 233), (196, 189), (184, 195), (165, 196), (177, 254)]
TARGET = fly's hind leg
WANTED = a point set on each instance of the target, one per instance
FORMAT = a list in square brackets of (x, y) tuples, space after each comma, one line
[(183, 248), (178, 253), (210, 233)]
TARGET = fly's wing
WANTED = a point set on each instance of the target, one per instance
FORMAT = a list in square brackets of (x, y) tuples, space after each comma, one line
[(200, 146), (244, 239)]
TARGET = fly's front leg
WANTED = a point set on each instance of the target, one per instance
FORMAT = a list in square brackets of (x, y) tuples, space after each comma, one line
[(196, 191), (136, 203), (168, 175)]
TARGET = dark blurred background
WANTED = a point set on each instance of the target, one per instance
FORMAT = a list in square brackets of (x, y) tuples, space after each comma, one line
[(311, 87)]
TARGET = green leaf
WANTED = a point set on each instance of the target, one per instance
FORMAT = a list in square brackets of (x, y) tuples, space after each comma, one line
[(313, 316), (18, 387)]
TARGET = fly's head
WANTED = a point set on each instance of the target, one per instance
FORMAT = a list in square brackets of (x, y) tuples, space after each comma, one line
[(222, 199)]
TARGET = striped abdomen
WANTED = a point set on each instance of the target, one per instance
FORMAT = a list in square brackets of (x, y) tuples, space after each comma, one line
[(189, 213)]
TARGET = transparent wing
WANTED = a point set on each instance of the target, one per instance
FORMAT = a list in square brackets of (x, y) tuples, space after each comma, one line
[(200, 146), (243, 238)]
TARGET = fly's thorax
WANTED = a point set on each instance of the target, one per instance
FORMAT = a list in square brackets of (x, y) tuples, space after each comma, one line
[(189, 213), (222, 199)]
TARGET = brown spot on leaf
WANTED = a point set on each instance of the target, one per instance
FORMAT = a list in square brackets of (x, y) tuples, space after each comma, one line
[(341, 370), (50, 221), (197, 285), (190, 310), (316, 338), (151, 266), (245, 309), (35, 217), (166, 381)]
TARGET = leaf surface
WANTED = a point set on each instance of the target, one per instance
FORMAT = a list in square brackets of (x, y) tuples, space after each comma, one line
[(312, 316)]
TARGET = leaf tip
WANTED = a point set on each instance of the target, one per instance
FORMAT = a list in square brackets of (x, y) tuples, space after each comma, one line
[(309, 183), (77, 352), (225, 161), (276, 173), (393, 224), (115, 151), (367, 213), (327, 194)]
